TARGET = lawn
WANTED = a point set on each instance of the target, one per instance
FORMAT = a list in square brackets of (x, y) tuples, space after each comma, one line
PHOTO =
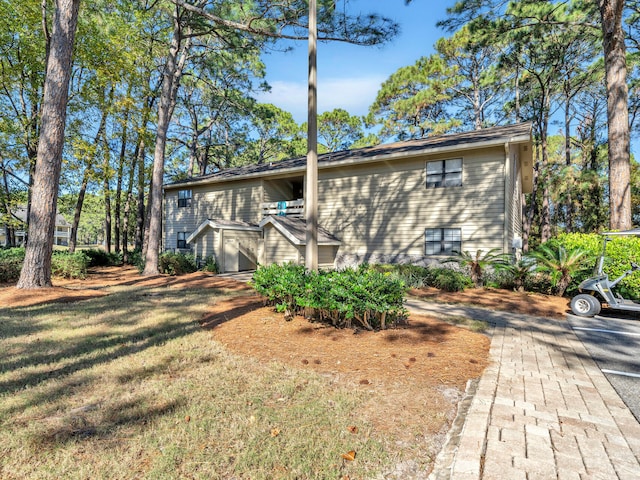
[(124, 382)]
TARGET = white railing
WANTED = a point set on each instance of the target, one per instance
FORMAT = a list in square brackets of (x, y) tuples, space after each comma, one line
[(288, 208)]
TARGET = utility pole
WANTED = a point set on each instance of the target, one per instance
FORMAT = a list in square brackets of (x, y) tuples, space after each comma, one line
[(311, 194)]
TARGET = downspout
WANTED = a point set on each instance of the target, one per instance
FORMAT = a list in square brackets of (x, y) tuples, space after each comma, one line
[(506, 237)]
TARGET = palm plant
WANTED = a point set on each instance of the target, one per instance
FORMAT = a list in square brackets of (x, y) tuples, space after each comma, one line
[(519, 272), (559, 263), (478, 263)]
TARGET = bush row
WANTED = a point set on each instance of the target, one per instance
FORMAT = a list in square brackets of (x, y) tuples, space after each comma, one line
[(442, 278), (10, 264), (363, 296), (621, 251), (70, 265)]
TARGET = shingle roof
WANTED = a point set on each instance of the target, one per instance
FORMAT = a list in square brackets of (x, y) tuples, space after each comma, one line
[(21, 213), (297, 230), (518, 133)]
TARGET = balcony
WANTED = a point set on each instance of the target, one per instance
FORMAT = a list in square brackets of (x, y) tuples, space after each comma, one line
[(285, 208)]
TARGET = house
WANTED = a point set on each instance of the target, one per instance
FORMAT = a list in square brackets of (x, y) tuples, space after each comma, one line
[(413, 201), (61, 234)]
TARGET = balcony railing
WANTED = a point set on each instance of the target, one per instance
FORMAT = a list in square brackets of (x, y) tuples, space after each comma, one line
[(288, 208)]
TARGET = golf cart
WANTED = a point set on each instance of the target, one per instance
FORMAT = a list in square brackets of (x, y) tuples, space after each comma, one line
[(599, 289)]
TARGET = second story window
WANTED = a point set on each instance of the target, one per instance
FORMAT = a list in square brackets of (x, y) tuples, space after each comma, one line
[(444, 173), (184, 198)]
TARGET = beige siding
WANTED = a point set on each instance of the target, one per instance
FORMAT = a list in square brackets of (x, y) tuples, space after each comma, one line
[(384, 208), (378, 208), (204, 245), (277, 249), (247, 247), (513, 207), (327, 256), (230, 201)]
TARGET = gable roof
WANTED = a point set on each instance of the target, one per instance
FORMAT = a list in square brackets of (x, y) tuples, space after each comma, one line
[(21, 214), (486, 137), (223, 225), (295, 230)]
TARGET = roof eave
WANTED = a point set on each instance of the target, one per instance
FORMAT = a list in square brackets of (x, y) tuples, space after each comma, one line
[(517, 139)]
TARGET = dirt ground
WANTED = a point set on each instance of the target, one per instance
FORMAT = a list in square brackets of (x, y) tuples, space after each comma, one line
[(415, 373)]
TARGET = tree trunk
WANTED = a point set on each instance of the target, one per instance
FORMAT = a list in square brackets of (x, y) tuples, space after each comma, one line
[(36, 270), (140, 216), (567, 159), (73, 235), (106, 172), (617, 113), (545, 213), (121, 160), (127, 206), (169, 91)]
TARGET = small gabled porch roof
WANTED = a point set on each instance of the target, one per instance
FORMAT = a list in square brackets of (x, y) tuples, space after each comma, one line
[(295, 230), (221, 224)]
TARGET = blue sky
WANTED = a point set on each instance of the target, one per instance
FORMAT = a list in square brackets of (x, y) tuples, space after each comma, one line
[(350, 76)]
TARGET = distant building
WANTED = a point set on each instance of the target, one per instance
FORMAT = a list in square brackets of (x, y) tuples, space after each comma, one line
[(61, 235)]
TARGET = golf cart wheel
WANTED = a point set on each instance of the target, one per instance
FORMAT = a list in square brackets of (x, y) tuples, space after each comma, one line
[(585, 305)]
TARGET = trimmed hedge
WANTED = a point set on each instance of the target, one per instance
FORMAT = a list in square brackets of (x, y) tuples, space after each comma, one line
[(363, 295)]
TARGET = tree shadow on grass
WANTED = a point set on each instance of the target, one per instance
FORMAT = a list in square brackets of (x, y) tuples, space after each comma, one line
[(102, 422), (55, 358), (231, 309)]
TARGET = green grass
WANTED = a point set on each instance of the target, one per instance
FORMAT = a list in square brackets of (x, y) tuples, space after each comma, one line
[(129, 386)]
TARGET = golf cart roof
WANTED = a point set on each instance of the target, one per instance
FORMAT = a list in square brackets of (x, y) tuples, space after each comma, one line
[(633, 231)]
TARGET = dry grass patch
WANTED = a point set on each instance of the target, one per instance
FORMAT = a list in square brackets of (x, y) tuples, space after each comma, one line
[(129, 385)]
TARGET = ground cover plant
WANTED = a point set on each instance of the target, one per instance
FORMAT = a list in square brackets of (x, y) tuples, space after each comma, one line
[(354, 297), (150, 378)]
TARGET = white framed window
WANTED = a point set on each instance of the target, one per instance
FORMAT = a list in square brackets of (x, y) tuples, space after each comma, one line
[(184, 198), (182, 240), (444, 173), (442, 241)]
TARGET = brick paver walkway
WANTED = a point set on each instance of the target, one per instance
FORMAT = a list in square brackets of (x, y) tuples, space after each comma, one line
[(542, 409)]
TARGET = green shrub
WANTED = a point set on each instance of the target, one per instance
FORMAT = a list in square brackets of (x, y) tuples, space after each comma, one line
[(173, 263), (100, 258), (450, 280), (210, 265), (414, 276), (621, 251), (364, 296), (281, 285), (478, 263), (11, 260), (69, 265), (136, 259)]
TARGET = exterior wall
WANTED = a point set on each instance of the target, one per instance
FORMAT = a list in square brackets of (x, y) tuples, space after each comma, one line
[(247, 244), (383, 209), (205, 245), (230, 201), (379, 211), (513, 197), (277, 249)]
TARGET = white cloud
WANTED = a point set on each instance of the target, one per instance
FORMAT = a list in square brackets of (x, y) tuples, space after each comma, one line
[(355, 95)]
